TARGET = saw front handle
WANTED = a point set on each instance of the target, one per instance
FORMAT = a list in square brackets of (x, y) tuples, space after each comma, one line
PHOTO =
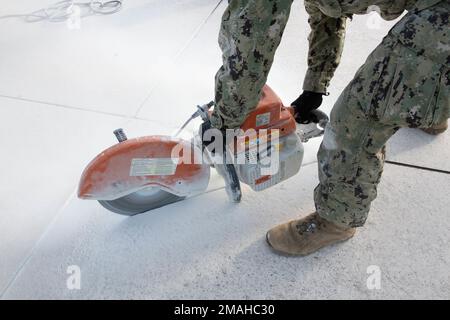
[(315, 128)]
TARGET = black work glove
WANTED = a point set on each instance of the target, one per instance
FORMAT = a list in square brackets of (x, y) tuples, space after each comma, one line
[(307, 102)]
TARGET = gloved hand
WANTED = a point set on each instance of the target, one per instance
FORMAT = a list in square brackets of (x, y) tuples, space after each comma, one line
[(307, 102)]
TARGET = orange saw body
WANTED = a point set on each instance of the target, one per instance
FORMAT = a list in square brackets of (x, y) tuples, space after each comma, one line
[(141, 174)]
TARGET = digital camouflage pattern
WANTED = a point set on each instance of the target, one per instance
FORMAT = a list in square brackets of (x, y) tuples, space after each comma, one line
[(327, 19), (404, 83), (250, 32)]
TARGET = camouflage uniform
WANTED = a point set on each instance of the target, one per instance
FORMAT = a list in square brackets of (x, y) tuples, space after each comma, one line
[(404, 83), (250, 33)]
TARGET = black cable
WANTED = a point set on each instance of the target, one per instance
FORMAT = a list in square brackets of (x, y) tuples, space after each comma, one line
[(416, 167)]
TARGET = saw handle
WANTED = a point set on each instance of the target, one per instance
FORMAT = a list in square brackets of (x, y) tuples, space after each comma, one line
[(319, 117)]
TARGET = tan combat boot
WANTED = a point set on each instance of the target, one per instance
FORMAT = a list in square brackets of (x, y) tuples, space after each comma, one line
[(437, 129), (307, 235)]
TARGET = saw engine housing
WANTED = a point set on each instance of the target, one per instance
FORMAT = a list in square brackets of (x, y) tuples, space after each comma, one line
[(270, 150)]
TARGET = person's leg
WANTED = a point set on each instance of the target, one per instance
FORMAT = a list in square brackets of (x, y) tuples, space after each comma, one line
[(351, 155), (250, 33), (350, 161), (350, 164), (398, 86), (404, 83)]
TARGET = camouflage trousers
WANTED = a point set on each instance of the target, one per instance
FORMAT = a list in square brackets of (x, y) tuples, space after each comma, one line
[(404, 83), (250, 32)]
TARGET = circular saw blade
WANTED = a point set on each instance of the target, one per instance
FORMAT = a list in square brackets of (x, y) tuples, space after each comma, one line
[(140, 201)]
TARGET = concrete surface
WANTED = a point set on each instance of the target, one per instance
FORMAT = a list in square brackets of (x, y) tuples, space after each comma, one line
[(63, 91)]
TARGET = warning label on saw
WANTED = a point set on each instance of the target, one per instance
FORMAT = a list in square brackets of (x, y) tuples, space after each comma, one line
[(153, 167)]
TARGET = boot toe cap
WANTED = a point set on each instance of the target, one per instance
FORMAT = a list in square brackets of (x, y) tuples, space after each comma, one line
[(279, 239)]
